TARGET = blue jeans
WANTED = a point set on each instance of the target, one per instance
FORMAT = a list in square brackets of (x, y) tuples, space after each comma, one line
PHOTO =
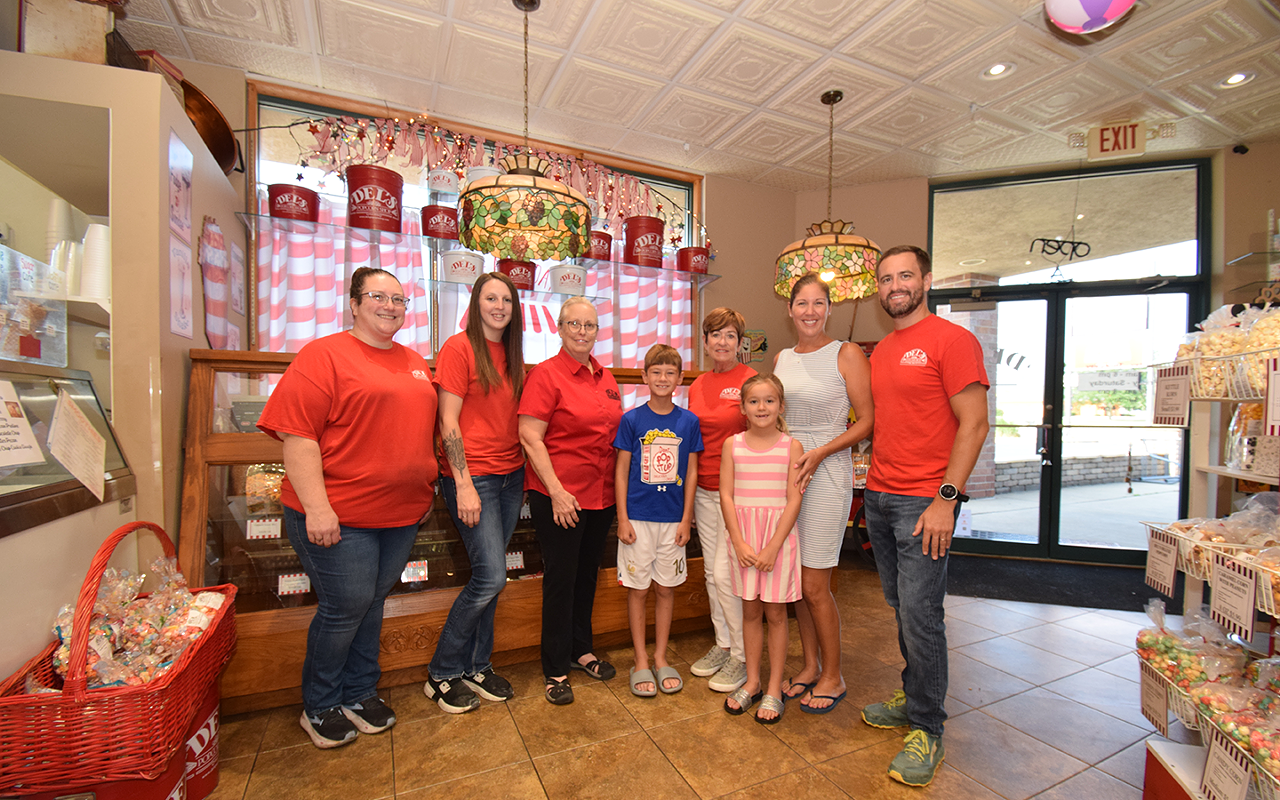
[(466, 643), (351, 580), (914, 586)]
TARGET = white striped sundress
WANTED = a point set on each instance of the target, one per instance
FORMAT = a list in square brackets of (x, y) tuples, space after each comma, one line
[(817, 412), (759, 496)]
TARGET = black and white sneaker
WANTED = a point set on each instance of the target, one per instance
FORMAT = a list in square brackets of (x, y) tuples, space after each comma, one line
[(370, 716), (452, 696), (328, 729), (490, 686)]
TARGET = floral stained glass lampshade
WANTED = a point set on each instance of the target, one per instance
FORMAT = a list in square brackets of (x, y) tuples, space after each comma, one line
[(523, 214), (845, 261)]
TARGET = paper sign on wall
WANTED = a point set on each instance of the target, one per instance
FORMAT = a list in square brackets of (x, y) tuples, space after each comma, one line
[(77, 444), (515, 560), (18, 445), (293, 583), (263, 529), (1173, 395), (1162, 560), (1226, 769), (1232, 604), (1155, 698)]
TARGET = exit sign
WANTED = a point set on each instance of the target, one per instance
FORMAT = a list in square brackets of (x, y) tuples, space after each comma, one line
[(1118, 140)]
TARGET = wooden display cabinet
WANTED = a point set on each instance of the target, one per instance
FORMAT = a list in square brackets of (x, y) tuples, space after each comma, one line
[(229, 534)]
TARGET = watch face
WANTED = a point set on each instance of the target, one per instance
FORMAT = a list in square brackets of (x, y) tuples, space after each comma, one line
[(948, 492)]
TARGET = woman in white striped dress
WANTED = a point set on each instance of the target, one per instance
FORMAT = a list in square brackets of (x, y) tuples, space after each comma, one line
[(823, 379)]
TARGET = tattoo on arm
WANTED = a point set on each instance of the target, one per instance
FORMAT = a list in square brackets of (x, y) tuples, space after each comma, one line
[(454, 451)]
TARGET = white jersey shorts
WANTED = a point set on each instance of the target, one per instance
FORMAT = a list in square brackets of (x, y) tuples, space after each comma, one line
[(655, 556)]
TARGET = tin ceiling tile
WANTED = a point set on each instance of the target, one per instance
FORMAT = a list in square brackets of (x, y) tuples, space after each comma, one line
[(1258, 116), (1201, 90), (789, 180), (554, 24), (748, 65), (825, 23), (658, 149), (980, 134), (693, 117), (719, 162), (379, 37), (901, 164), (595, 91), (462, 105), (273, 62), (1030, 148), (379, 87), (143, 35), (491, 63), (656, 37), (862, 88), (263, 21), (148, 9), (850, 154), (1053, 103), (575, 131), (1145, 106), (1031, 57), (772, 138), (723, 5), (909, 117), (916, 37)]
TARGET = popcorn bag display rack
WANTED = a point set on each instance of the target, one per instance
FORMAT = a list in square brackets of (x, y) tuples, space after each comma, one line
[(83, 737), (1239, 376)]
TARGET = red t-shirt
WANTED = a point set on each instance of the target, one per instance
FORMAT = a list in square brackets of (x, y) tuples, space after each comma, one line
[(488, 421), (715, 398), (582, 407), (914, 374), (373, 411)]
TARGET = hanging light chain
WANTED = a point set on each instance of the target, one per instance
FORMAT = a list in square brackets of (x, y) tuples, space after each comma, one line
[(526, 81), (831, 153)]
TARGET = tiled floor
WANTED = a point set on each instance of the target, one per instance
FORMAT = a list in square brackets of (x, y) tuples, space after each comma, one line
[(1044, 703)]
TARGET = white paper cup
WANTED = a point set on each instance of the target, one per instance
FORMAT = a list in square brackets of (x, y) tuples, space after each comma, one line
[(61, 226), (95, 274)]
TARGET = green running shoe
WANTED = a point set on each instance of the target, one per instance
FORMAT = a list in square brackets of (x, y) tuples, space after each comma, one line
[(890, 714), (919, 760)]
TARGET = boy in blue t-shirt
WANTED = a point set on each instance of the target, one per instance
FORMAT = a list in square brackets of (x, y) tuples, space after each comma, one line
[(658, 445)]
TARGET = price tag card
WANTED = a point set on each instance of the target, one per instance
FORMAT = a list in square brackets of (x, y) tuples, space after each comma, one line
[(1232, 605), (263, 529), (1226, 770), (515, 560), (1155, 698), (964, 524), (414, 572), (293, 583), (1162, 561), (1173, 395), (525, 513), (1272, 405)]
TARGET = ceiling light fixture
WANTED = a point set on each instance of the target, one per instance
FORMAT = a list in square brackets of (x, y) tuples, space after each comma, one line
[(847, 263), (972, 262), (523, 214), (1001, 69), (1236, 79)]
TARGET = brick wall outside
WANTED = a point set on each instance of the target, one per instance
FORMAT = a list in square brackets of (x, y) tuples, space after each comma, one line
[(1021, 476)]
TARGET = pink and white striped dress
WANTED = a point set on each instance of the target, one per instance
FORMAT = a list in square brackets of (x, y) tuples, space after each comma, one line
[(759, 496)]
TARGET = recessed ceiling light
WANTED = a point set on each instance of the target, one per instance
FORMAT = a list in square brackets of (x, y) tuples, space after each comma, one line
[(973, 262), (1002, 69), (1028, 263), (1079, 216), (1237, 79)]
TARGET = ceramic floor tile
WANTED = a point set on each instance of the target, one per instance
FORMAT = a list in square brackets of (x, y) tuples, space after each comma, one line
[(233, 777), (976, 684), (409, 703), (443, 747), (361, 770), (241, 735), (1042, 611), (693, 700), (864, 774), (1103, 626), (874, 686), (1073, 728), (961, 633), (755, 754), (283, 729), (1021, 659), (1094, 785), (594, 716), (628, 766), (1126, 666), (693, 645), (526, 679), (954, 707), (820, 737), (807, 784), (954, 601), (879, 640), (1104, 692), (985, 615), (1129, 765), (1077, 646), (1005, 760), (514, 782)]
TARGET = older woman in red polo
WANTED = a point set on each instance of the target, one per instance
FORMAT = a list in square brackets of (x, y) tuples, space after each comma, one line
[(569, 415)]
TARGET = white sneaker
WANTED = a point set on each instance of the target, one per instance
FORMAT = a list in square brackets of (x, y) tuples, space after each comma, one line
[(730, 678), (711, 663)]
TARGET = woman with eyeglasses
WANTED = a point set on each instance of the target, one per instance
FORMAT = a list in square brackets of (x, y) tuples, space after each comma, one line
[(569, 415), (479, 374), (356, 413)]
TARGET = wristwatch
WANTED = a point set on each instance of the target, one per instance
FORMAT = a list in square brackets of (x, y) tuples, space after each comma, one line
[(948, 491)]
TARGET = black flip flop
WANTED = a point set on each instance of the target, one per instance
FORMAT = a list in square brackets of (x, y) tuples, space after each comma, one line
[(600, 670)]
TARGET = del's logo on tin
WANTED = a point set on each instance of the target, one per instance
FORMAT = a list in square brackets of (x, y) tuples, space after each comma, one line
[(293, 202), (442, 221), (375, 196), (699, 262), (462, 266), (648, 242), (520, 272), (570, 277)]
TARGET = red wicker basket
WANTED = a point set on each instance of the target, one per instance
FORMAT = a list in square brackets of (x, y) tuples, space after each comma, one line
[(86, 736)]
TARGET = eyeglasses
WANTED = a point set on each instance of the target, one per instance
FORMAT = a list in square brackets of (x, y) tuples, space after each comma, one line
[(399, 301), (575, 326)]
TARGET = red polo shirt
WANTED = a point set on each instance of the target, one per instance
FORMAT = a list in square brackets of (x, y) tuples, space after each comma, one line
[(582, 407)]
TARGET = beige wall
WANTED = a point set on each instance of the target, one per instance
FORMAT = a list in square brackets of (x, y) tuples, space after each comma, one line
[(1252, 183)]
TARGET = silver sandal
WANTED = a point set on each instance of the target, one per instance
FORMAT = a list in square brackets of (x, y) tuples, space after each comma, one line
[(744, 699), (770, 703)]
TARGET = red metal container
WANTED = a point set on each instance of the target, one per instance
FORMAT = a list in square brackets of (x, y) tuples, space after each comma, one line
[(168, 785), (440, 222), (520, 272), (293, 202), (642, 241), (202, 748), (692, 259), (601, 246), (373, 197)]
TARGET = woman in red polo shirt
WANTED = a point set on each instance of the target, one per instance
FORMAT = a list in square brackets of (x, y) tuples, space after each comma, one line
[(357, 415), (479, 374), (569, 415)]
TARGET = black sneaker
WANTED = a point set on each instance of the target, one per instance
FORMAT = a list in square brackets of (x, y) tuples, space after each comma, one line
[(370, 716), (452, 696), (328, 728), (490, 686)]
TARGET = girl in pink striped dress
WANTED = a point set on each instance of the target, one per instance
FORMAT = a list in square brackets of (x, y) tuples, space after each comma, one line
[(761, 500)]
